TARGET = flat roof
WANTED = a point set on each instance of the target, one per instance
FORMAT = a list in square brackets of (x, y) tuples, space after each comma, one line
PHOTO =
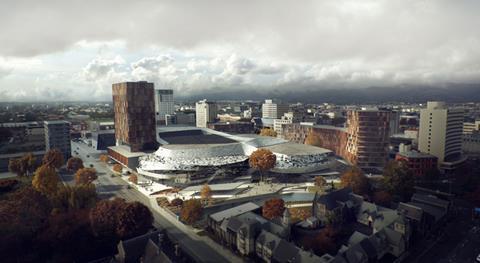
[(291, 148), (415, 154), (125, 151), (215, 187), (234, 211), (56, 122)]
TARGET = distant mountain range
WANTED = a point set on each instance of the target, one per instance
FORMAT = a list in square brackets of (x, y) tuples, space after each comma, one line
[(449, 93)]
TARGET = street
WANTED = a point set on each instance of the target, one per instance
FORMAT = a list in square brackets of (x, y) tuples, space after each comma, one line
[(200, 248)]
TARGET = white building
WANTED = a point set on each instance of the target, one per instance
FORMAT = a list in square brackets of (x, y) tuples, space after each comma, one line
[(206, 112), (164, 104), (441, 133), (271, 110), (287, 118), (470, 127)]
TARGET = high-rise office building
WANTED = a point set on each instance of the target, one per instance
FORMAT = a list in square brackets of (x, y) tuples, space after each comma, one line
[(441, 133), (164, 104), (134, 108), (57, 136), (368, 137), (206, 112), (273, 110)]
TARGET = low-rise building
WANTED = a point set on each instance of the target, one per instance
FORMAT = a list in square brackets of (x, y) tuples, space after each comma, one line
[(419, 163)]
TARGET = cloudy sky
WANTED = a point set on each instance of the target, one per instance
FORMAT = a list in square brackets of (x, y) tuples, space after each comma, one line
[(75, 50)]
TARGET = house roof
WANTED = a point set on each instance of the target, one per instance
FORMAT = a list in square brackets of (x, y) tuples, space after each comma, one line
[(333, 199), (234, 211), (434, 211), (430, 200), (410, 211), (285, 252), (356, 237), (134, 248)]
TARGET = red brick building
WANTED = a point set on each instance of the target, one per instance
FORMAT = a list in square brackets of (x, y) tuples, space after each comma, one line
[(134, 108), (418, 162)]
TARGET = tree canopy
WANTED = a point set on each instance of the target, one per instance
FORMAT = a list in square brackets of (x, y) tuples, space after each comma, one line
[(191, 211), (206, 193), (273, 208), (117, 168), (104, 217), (399, 180), (46, 180), (262, 160), (23, 165), (355, 179), (54, 158), (74, 164), (85, 176), (133, 178), (133, 219)]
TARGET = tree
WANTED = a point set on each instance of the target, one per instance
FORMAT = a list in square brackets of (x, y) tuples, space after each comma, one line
[(382, 198), (191, 211), (117, 168), (134, 219), (104, 158), (53, 158), (273, 208), (133, 178), (85, 176), (262, 160), (268, 132), (74, 164), (320, 181), (70, 198), (104, 217), (23, 165), (326, 241), (206, 193), (398, 179), (46, 180), (355, 179), (176, 202)]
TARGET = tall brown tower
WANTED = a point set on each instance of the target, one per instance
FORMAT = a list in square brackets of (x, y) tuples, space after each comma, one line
[(134, 107), (368, 137)]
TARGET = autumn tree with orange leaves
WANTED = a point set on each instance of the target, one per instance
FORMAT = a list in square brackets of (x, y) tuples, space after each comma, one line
[(53, 158), (191, 211), (273, 208), (355, 179), (263, 160), (206, 193), (103, 158), (74, 164), (46, 180), (85, 176), (117, 168)]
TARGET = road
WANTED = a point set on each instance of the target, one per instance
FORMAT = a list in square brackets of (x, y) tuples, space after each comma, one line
[(201, 248)]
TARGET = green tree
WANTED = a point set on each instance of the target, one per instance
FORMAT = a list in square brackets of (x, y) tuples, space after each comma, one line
[(355, 179), (46, 180), (53, 158), (399, 180)]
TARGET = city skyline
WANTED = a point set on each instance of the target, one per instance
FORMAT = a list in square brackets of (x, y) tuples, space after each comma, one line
[(222, 49)]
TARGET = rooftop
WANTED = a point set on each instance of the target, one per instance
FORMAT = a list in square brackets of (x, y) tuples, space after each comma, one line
[(234, 211), (291, 149), (415, 154), (125, 151)]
